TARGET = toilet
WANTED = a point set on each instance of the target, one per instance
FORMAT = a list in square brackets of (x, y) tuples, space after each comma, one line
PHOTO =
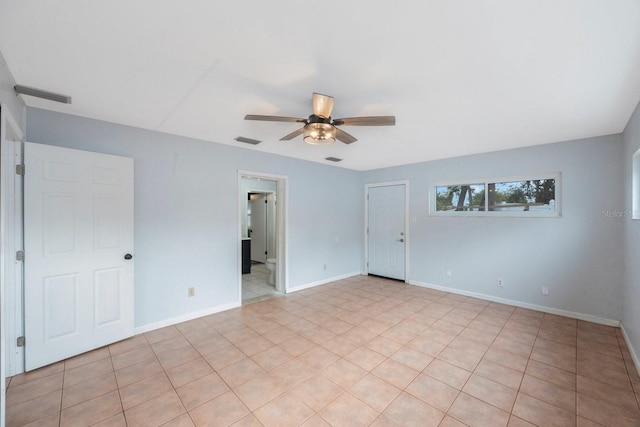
[(271, 266)]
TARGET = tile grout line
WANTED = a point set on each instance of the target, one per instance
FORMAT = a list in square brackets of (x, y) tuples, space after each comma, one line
[(64, 373), (124, 417)]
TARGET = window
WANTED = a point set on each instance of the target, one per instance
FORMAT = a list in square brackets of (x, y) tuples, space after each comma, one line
[(527, 196), (459, 198)]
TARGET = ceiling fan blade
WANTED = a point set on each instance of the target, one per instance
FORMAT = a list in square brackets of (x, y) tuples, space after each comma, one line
[(344, 137), (322, 105), (366, 121), (292, 135), (274, 118)]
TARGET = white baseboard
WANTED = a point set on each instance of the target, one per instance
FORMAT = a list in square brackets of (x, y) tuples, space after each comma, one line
[(542, 308), (207, 312), (185, 317), (632, 350), (323, 282)]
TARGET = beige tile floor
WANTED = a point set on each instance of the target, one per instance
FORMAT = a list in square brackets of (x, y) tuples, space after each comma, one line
[(362, 351), (255, 286)]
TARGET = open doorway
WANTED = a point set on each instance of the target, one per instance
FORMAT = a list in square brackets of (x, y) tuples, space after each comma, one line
[(262, 235)]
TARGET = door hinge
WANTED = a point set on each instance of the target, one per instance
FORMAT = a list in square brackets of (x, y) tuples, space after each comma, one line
[(19, 169), (19, 255), (20, 342)]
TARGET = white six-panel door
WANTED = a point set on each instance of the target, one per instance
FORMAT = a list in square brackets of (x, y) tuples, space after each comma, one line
[(386, 231), (78, 212)]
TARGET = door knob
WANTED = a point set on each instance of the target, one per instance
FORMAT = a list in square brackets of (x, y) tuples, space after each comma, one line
[(128, 256), (400, 240)]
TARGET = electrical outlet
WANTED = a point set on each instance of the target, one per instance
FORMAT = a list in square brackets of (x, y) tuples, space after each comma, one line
[(500, 283), (449, 272), (545, 290), (192, 292), (324, 267)]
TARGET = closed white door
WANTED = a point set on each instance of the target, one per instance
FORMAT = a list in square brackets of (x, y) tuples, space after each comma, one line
[(386, 231), (78, 213)]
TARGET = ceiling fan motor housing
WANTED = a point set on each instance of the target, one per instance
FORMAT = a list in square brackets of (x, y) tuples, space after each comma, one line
[(318, 119), (319, 133)]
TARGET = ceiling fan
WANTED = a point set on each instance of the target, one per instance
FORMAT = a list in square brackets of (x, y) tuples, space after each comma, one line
[(320, 128)]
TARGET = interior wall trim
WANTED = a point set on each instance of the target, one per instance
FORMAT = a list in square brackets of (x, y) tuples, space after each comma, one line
[(542, 308), (325, 281), (632, 350), (184, 318)]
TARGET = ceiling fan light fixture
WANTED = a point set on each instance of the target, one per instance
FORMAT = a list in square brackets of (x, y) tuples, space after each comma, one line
[(322, 105), (319, 134)]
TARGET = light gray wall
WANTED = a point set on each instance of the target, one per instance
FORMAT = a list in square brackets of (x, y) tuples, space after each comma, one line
[(631, 288), (8, 96), (187, 216), (184, 238), (578, 256)]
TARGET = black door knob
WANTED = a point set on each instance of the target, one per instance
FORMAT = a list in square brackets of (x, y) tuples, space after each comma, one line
[(128, 256)]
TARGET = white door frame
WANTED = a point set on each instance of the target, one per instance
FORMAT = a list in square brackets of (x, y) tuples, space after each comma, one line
[(12, 320), (404, 183), (12, 241), (11, 356), (282, 193)]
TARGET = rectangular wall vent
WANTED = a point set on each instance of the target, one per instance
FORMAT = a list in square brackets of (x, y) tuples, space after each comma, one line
[(333, 159), (247, 140)]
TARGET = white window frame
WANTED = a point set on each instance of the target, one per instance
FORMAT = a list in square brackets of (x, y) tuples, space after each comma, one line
[(557, 176)]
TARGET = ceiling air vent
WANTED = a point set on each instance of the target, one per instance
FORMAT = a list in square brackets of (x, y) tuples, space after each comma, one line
[(333, 159), (247, 140)]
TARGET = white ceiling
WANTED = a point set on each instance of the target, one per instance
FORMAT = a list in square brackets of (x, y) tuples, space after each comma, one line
[(461, 76)]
